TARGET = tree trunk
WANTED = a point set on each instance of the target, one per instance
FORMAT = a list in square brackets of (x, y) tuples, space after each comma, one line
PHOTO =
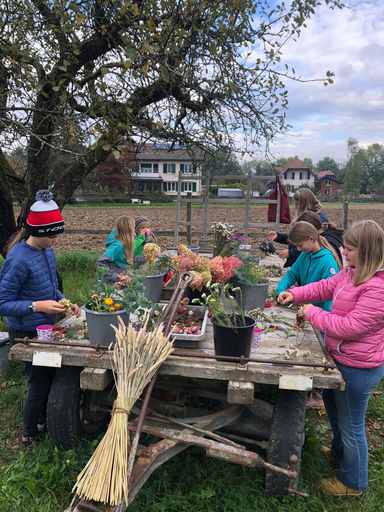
[(7, 218)]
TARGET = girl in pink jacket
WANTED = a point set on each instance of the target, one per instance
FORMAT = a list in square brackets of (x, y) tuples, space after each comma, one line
[(354, 334)]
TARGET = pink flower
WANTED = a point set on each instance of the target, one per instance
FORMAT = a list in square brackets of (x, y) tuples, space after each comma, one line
[(186, 264), (198, 280), (229, 265), (217, 270)]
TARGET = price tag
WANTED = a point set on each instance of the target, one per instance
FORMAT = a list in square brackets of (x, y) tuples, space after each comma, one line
[(297, 382), (51, 359)]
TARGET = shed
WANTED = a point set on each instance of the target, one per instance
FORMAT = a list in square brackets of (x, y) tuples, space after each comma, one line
[(229, 192)]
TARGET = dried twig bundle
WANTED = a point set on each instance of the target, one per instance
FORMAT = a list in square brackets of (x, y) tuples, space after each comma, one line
[(137, 356)]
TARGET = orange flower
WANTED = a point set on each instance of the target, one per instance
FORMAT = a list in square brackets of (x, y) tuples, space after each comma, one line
[(117, 306), (111, 309), (108, 301)]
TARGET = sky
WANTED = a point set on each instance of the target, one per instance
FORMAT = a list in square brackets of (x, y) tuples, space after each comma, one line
[(350, 43)]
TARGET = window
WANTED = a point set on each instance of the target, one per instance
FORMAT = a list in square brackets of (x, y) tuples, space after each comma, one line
[(304, 175), (327, 183), (327, 192), (186, 168), (171, 186), (169, 168), (289, 175), (147, 167)]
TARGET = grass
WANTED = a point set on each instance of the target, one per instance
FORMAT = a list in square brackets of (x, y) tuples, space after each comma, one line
[(40, 479)]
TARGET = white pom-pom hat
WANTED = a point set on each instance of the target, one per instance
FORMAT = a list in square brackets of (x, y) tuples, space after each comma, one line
[(44, 218)]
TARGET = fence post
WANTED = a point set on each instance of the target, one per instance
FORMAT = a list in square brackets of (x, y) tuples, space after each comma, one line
[(189, 219), (177, 220), (247, 205), (344, 225), (206, 199)]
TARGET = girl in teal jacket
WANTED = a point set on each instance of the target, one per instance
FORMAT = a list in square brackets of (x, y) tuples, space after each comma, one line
[(317, 260)]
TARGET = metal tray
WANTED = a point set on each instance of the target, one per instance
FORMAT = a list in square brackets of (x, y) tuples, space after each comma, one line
[(191, 340)]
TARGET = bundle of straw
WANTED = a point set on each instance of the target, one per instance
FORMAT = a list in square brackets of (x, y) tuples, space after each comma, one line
[(137, 356)]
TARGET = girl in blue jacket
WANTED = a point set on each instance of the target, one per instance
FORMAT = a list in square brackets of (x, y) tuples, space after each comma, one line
[(29, 297), (317, 260), (125, 246)]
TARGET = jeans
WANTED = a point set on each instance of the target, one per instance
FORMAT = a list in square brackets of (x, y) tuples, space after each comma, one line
[(39, 384), (346, 412)]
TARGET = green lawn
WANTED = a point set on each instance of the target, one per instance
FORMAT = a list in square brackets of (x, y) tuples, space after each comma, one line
[(40, 479)]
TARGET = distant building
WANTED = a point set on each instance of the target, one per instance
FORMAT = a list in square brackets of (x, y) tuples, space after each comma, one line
[(158, 169), (327, 184), (295, 174)]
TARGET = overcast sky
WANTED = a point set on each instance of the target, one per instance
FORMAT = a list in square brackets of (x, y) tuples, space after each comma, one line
[(350, 43)]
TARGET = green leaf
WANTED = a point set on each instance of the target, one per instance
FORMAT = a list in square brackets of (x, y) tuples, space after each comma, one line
[(165, 74)]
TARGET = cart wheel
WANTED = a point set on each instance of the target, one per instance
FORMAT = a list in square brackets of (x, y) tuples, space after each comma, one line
[(287, 437), (69, 411)]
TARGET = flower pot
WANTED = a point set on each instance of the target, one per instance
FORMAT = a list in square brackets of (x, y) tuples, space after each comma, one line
[(233, 342), (195, 294), (153, 287), (194, 248), (254, 296), (99, 325)]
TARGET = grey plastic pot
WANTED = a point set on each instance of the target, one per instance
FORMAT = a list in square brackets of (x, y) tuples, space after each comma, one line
[(153, 287), (99, 325), (194, 248), (4, 349), (254, 296)]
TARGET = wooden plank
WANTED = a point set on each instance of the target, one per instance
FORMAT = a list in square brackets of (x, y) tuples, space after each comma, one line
[(240, 392), (96, 379)]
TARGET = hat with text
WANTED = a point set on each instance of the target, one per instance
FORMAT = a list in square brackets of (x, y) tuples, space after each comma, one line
[(44, 218)]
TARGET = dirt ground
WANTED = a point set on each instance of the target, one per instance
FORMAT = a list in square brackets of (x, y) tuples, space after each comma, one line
[(163, 219)]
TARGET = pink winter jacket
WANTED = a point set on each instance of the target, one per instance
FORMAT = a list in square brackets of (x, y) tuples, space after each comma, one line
[(354, 329)]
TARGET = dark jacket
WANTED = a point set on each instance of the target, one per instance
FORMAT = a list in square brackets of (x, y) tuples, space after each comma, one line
[(335, 238), (293, 253), (28, 275)]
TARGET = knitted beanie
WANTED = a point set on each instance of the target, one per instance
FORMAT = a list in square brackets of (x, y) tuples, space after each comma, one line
[(44, 218), (141, 222)]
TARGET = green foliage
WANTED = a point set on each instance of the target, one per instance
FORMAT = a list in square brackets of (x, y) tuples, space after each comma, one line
[(353, 170), (258, 167), (328, 164), (249, 273)]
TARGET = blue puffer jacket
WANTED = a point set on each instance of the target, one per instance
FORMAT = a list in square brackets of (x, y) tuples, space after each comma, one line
[(28, 275)]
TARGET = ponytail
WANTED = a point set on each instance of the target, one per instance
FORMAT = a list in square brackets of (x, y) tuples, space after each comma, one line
[(324, 243), (15, 239)]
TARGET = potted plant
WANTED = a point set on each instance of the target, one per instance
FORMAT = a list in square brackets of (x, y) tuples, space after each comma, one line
[(217, 270), (253, 281), (105, 302), (232, 329), (154, 271)]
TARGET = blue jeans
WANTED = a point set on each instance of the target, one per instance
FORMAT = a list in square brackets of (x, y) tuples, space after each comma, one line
[(346, 412)]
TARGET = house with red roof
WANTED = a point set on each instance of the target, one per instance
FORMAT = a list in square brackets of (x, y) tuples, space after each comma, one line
[(295, 174), (327, 184)]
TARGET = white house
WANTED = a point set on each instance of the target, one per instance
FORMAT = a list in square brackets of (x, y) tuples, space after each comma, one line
[(158, 169), (295, 174)]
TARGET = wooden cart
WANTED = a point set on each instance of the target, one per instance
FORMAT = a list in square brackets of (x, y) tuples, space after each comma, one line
[(82, 395)]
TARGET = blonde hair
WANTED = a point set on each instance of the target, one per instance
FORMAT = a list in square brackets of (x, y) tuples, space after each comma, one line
[(15, 239), (125, 233), (368, 238), (307, 201), (302, 231)]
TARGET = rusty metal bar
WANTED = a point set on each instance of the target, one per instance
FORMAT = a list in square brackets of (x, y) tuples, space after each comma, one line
[(237, 455), (217, 437), (28, 341), (323, 346), (242, 359), (293, 460)]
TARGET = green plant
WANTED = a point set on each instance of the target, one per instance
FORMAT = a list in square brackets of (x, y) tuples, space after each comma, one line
[(126, 294), (249, 273), (214, 303), (161, 265)]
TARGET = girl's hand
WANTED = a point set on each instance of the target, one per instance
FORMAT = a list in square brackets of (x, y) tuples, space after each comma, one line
[(51, 307), (284, 254), (143, 230), (76, 310), (306, 308), (271, 236), (285, 297)]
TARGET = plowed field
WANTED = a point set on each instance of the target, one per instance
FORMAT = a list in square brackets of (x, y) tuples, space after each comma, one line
[(163, 219)]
